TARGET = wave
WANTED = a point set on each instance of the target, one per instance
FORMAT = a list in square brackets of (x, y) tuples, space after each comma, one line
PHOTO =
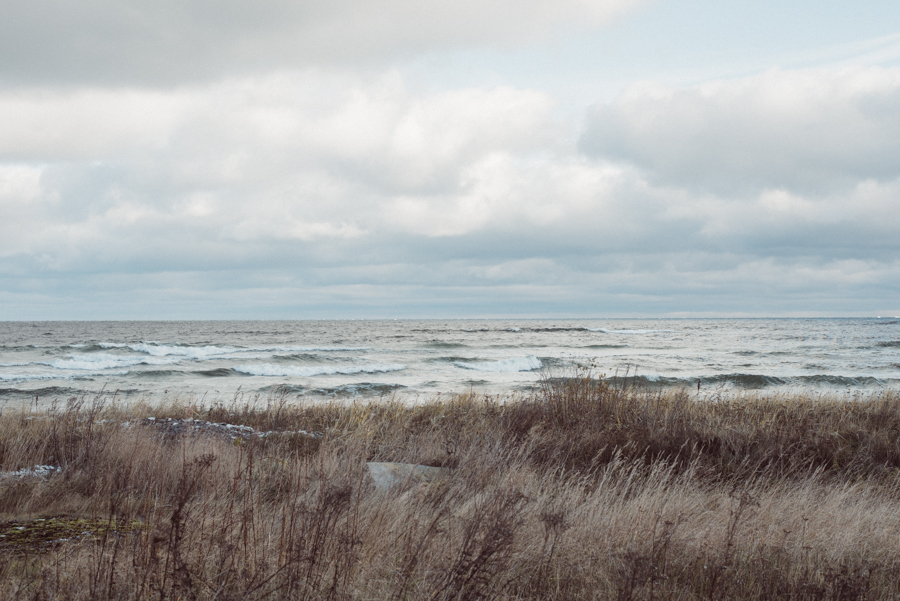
[(92, 348), (267, 369), (627, 332), (449, 359), (191, 352), (367, 389), (104, 361), (57, 376), (889, 344), (156, 349), (603, 346), (516, 364), (744, 381), (841, 381), (222, 372), (585, 329), (447, 345), (308, 349), (748, 381), (296, 357), (38, 392), (156, 373)]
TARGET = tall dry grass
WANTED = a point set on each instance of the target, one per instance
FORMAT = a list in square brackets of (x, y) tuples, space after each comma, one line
[(581, 491)]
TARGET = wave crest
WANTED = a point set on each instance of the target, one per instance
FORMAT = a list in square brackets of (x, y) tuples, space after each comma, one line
[(516, 364), (267, 369)]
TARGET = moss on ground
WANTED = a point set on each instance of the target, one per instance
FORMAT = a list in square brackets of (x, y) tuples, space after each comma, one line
[(39, 535)]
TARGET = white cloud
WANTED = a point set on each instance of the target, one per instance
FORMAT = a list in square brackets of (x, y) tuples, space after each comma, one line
[(801, 130), (291, 156), (506, 192), (41, 125)]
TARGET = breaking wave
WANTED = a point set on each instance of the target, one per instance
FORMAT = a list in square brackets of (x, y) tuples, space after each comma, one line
[(749, 381), (516, 364), (56, 376), (39, 392), (156, 349), (104, 361), (267, 369)]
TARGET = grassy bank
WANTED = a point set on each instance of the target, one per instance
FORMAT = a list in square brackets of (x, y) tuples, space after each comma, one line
[(581, 491)]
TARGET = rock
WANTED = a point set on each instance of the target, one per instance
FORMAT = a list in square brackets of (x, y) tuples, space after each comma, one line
[(393, 475), (170, 429), (38, 472)]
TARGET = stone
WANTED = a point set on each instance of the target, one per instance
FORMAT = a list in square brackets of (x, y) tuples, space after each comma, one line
[(393, 475)]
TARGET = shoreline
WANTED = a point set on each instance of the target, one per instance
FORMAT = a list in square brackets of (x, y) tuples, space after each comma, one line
[(12, 399)]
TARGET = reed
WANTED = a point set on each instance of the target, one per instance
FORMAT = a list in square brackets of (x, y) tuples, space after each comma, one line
[(582, 490)]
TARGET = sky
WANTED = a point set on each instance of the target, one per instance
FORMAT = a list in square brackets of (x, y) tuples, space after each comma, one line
[(318, 159)]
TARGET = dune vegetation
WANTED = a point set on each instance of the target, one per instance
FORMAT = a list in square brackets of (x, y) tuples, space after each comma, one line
[(582, 490)]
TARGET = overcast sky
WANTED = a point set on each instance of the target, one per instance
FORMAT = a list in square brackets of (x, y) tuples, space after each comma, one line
[(215, 159)]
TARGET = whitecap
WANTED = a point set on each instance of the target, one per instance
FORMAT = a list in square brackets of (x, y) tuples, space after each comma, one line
[(516, 364), (208, 352), (104, 361), (192, 352), (308, 349), (267, 369)]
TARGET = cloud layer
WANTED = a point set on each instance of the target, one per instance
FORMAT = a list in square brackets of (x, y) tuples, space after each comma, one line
[(200, 161)]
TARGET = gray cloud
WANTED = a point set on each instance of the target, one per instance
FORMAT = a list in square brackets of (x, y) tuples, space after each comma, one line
[(805, 131), (175, 41)]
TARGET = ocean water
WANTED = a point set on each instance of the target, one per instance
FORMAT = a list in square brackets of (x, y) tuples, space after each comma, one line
[(420, 358)]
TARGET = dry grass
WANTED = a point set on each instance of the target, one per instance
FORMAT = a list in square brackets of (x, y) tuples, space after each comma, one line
[(583, 491)]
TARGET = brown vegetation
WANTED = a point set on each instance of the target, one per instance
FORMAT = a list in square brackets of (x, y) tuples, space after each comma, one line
[(581, 491)]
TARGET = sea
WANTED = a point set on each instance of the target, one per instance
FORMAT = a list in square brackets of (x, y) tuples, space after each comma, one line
[(254, 361)]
